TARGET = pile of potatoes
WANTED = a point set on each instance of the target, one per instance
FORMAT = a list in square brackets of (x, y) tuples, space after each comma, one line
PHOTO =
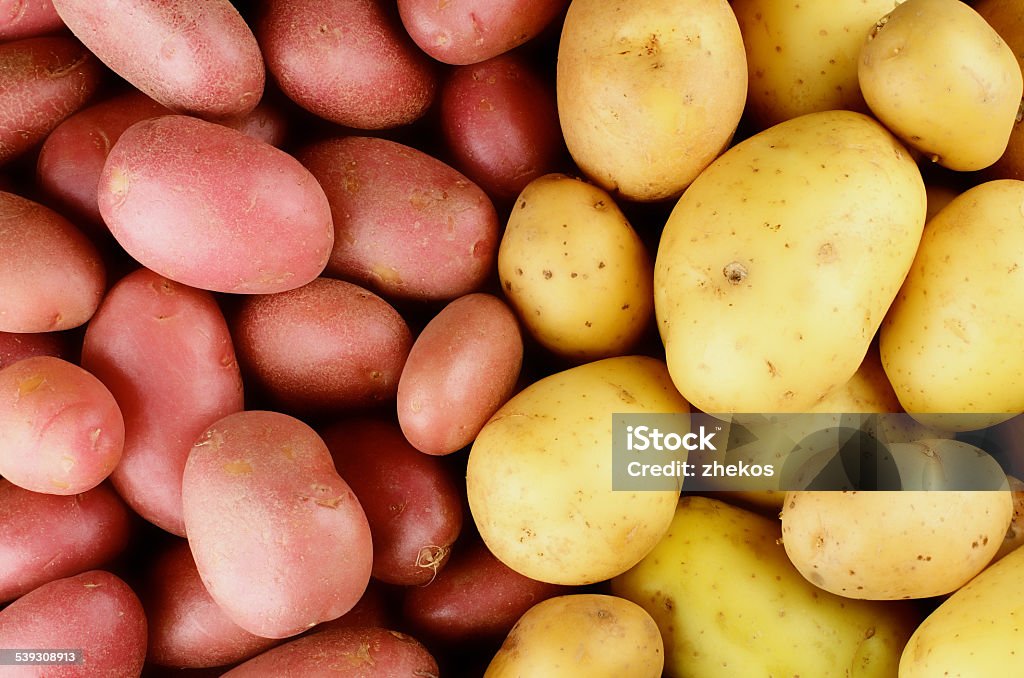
[(315, 316)]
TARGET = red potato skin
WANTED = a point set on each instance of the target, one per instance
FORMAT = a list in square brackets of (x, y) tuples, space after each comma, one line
[(347, 61), (343, 653), (373, 609), (279, 539), (165, 352), (193, 56), (61, 431), (42, 81), (48, 537), (210, 207), (412, 502), (329, 345), (463, 366), (407, 225), (265, 123), (51, 275), (27, 19), (461, 32), (95, 612), (15, 347)]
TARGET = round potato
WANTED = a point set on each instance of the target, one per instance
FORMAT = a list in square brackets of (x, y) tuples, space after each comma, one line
[(1007, 18)]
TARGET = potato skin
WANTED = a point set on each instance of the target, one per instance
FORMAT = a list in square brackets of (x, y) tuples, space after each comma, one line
[(407, 226), (48, 537), (27, 19), (16, 346), (165, 353), (463, 366), (246, 218), (193, 56), (1007, 18), (94, 612), (346, 61), (263, 504)]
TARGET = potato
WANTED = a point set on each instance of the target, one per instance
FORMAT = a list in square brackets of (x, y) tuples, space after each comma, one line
[(42, 81), (539, 474), (373, 609), (27, 19), (920, 544), (245, 217), (267, 123), (1006, 17), (574, 270), (729, 603), (193, 56), (412, 501), (649, 92), (581, 635), (406, 225), (1014, 538), (61, 431), (48, 537), (471, 31), (346, 61), (776, 267), (94, 613), (279, 539), (951, 341), (165, 353), (15, 347), (326, 346), (462, 368), (937, 75)]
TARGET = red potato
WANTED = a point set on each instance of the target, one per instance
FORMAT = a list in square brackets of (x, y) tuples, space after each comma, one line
[(329, 345), (165, 352), (343, 653), (210, 207), (61, 431), (500, 121), (461, 369), (94, 612), (266, 123), (15, 347), (193, 56), (51, 275), (407, 225), (27, 19), (373, 609), (470, 31), (412, 502), (48, 537), (346, 61), (279, 539), (42, 81)]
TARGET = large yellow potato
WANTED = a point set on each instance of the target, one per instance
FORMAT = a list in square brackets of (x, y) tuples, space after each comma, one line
[(730, 604), (776, 266), (539, 476), (649, 91)]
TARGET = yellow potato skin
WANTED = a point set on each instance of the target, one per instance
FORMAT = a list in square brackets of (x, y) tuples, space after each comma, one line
[(937, 75), (574, 270), (729, 603), (584, 636), (539, 477), (778, 263), (649, 91)]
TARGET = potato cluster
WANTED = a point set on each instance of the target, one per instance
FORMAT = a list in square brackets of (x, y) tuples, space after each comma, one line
[(315, 318)]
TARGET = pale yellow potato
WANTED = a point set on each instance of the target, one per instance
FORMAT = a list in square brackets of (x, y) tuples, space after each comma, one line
[(581, 636), (1014, 538), (777, 265), (649, 91), (893, 545), (952, 341), (574, 270), (729, 604), (802, 56), (943, 80), (539, 477)]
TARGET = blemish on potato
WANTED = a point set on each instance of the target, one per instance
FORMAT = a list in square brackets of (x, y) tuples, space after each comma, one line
[(735, 272), (238, 467), (827, 253), (26, 386)]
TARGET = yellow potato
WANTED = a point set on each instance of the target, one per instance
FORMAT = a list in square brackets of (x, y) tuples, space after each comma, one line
[(574, 269), (649, 91), (585, 636), (776, 266), (943, 80), (730, 604), (539, 476)]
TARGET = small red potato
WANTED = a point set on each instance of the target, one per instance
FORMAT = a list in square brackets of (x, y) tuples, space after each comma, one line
[(210, 207), (61, 431), (27, 19), (279, 539), (94, 612), (15, 347), (47, 537)]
